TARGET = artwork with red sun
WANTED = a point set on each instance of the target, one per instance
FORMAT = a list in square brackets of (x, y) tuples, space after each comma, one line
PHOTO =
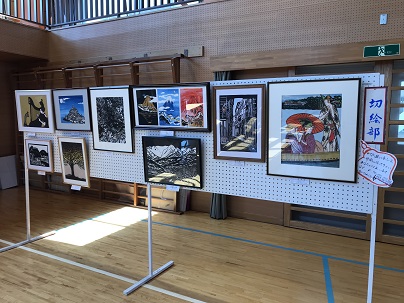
[(192, 107)]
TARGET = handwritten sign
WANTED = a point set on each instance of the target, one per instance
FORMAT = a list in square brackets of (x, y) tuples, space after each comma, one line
[(374, 119), (375, 166)]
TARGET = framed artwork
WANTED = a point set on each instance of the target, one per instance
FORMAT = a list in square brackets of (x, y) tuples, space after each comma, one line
[(34, 111), (172, 161), (312, 129), (72, 111), (111, 119), (177, 107), (39, 155), (239, 122), (74, 161)]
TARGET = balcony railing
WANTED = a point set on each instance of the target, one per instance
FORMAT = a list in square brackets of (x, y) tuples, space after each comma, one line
[(56, 13)]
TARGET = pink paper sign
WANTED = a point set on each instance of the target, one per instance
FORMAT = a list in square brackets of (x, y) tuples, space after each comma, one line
[(375, 166)]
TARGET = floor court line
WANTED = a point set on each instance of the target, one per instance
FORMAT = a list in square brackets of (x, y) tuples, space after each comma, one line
[(106, 273), (328, 282), (324, 257), (278, 246)]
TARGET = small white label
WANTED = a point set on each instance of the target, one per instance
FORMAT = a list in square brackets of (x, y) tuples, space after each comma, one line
[(76, 187), (31, 134), (167, 133), (41, 173), (238, 163), (300, 181), (173, 187)]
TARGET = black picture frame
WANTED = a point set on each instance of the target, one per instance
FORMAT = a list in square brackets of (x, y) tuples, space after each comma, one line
[(179, 107), (172, 161)]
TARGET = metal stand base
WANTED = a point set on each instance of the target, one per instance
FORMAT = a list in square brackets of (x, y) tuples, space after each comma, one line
[(146, 279), (26, 242)]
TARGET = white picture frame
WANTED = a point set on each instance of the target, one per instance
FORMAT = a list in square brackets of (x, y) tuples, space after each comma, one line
[(111, 118), (74, 161), (39, 155), (34, 111)]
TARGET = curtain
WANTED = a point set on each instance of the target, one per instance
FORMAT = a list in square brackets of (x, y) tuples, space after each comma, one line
[(218, 209), (222, 76)]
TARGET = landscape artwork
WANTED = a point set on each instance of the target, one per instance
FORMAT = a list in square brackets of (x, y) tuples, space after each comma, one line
[(73, 159), (39, 155), (312, 129), (239, 120), (173, 161), (169, 106), (146, 104), (111, 119), (34, 110), (176, 107), (312, 132), (72, 109)]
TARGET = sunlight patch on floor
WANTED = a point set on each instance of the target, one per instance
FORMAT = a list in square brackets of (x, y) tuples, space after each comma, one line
[(88, 231)]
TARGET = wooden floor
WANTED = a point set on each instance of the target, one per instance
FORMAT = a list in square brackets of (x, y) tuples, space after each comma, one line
[(216, 261)]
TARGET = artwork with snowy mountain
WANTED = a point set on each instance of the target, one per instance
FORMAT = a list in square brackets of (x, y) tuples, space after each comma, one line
[(172, 107), (172, 160), (72, 109), (169, 107)]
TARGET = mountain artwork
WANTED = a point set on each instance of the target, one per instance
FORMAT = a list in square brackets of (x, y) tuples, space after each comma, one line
[(172, 160)]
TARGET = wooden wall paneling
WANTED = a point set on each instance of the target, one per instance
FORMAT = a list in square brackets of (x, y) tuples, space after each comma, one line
[(255, 209), (385, 68), (134, 73), (286, 214), (316, 55), (329, 221), (98, 72), (81, 76), (200, 201), (390, 208), (67, 77), (8, 113), (27, 42)]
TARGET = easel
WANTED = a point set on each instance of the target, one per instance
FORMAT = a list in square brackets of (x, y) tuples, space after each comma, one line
[(27, 212), (152, 274)]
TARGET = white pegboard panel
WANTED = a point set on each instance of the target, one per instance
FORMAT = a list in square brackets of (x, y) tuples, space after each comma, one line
[(246, 179), (251, 180)]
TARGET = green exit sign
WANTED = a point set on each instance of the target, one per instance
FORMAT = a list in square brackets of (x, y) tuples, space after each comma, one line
[(381, 50)]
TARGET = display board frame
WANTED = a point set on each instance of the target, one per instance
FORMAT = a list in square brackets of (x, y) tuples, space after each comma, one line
[(238, 178)]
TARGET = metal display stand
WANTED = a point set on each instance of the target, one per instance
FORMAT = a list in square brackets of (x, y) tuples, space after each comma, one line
[(152, 274), (372, 248), (249, 180), (27, 212)]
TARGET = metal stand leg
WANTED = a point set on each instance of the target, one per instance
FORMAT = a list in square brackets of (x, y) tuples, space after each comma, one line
[(26, 241), (151, 274), (372, 248), (27, 213)]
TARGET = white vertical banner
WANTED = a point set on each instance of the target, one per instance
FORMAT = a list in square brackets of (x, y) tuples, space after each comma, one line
[(374, 118)]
